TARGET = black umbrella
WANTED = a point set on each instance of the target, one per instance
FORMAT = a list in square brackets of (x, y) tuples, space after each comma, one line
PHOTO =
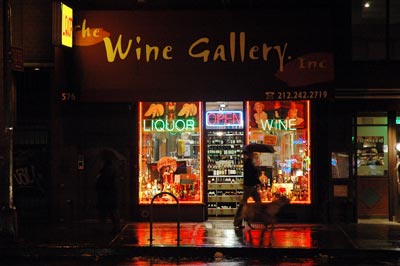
[(258, 147)]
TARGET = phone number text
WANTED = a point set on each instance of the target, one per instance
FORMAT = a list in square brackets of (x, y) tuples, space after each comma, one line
[(297, 95)]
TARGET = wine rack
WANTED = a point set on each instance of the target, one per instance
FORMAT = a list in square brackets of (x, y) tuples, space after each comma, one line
[(225, 171)]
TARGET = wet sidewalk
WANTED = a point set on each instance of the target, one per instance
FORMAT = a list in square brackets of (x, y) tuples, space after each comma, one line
[(204, 239)]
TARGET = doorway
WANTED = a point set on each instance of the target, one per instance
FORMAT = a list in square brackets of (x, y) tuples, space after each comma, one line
[(371, 168)]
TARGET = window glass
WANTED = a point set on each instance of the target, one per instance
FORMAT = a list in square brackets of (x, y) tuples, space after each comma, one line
[(340, 165), (372, 120), (372, 146), (170, 152), (285, 126)]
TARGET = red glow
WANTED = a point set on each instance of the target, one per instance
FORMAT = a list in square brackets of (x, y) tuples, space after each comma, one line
[(196, 234)]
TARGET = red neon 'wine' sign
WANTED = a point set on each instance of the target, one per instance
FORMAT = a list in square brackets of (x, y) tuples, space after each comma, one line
[(224, 118)]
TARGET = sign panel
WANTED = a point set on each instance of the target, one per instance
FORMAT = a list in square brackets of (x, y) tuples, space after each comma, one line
[(224, 119), (66, 25), (127, 55)]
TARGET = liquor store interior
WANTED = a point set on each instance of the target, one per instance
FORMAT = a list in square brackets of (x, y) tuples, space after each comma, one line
[(194, 151)]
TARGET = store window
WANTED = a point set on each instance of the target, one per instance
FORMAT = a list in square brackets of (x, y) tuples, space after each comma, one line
[(285, 126), (372, 145), (170, 152)]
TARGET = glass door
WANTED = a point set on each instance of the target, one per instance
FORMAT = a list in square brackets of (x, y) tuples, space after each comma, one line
[(372, 164)]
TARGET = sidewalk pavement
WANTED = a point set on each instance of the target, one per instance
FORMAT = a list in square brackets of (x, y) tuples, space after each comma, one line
[(204, 239)]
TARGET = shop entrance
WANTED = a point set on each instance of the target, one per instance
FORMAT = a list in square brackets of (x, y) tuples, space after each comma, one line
[(375, 158)]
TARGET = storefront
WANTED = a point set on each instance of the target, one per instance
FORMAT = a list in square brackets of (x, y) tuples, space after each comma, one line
[(364, 174), (203, 85), (178, 165)]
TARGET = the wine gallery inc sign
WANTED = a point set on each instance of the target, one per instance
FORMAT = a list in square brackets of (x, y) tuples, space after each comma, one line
[(148, 55)]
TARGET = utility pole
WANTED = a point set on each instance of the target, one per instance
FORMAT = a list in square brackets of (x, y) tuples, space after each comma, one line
[(8, 213)]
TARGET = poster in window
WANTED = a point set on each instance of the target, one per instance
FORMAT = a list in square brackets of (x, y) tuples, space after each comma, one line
[(370, 156), (340, 165)]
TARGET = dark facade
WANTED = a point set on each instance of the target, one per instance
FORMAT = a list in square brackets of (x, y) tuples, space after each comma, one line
[(54, 130)]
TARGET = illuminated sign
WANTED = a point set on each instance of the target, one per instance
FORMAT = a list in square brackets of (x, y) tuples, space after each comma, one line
[(66, 25), (279, 124), (163, 125), (224, 119)]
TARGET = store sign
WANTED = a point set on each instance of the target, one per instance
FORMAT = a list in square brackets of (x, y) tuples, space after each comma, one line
[(224, 118), (278, 124), (245, 55), (66, 25), (165, 125), (62, 24)]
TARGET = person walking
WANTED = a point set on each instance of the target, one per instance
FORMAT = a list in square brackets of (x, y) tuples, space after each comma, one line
[(107, 194), (250, 183)]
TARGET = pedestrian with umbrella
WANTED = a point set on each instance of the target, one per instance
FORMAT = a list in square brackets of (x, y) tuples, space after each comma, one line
[(250, 181)]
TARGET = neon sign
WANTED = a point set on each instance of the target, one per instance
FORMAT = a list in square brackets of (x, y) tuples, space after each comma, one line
[(224, 118), (278, 124), (165, 125)]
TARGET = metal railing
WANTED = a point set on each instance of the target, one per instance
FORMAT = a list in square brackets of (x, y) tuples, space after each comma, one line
[(178, 216)]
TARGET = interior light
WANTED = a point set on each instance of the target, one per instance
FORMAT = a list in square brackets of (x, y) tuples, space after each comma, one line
[(222, 106), (397, 146), (367, 4)]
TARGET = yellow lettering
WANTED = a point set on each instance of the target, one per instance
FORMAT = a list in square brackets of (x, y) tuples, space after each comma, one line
[(265, 51), (96, 32), (150, 50), (253, 51), (232, 43), (111, 53), (219, 53), (204, 54), (85, 31), (166, 51), (281, 55), (242, 43), (138, 50)]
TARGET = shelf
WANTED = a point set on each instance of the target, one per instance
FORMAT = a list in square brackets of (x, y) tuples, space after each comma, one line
[(222, 186), (219, 176), (239, 145), (225, 156), (222, 211), (230, 198)]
